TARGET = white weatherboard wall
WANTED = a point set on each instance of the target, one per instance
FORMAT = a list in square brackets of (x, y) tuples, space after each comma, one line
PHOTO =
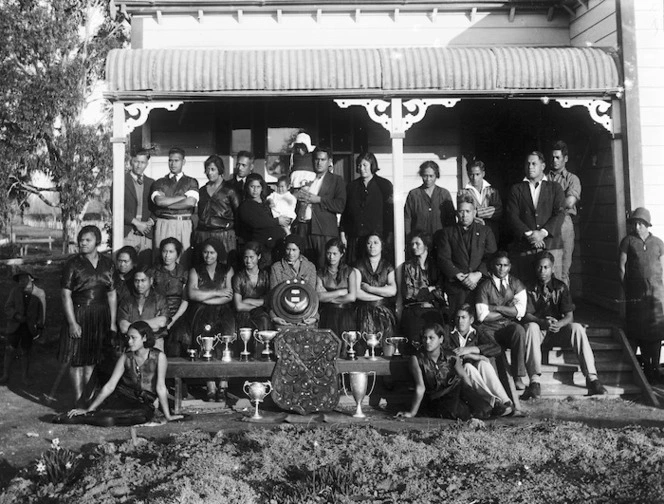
[(649, 34), (595, 25), (265, 30)]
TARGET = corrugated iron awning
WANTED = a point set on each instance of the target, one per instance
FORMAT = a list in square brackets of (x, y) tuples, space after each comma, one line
[(156, 73)]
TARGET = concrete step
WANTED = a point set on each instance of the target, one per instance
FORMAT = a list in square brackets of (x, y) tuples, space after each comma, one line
[(560, 391)]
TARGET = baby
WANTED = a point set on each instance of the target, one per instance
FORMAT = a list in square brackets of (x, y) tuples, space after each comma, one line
[(283, 202)]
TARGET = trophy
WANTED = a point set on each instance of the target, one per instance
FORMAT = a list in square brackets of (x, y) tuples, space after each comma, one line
[(257, 391), (191, 353), (373, 340), (350, 338), (358, 387), (396, 342), (265, 337), (245, 336), (226, 355), (207, 344)]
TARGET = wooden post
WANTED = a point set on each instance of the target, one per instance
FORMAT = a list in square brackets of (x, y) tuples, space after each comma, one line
[(119, 139), (397, 134)]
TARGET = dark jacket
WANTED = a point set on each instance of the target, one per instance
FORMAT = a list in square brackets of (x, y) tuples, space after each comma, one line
[(131, 202), (453, 255), (368, 209), (34, 312), (486, 344), (333, 201), (217, 212)]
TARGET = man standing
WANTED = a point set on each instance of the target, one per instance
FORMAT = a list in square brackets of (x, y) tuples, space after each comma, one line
[(175, 197), (535, 212), (244, 165), (572, 189), (550, 322), (501, 303), (318, 206), (138, 218), (463, 251)]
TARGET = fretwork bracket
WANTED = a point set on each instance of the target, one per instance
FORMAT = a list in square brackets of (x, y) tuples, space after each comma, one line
[(138, 112), (598, 110)]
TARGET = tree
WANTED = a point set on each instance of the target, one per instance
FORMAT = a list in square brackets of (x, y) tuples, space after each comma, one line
[(52, 55)]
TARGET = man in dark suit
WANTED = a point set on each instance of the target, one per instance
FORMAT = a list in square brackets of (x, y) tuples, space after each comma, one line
[(318, 206), (535, 213), (244, 165), (463, 251), (138, 221)]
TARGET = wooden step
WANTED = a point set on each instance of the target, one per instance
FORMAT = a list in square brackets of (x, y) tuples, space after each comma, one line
[(560, 391), (568, 356), (599, 332)]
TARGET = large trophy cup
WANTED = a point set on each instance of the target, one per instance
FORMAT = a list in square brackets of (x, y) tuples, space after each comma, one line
[(257, 391), (245, 336), (207, 344), (373, 340), (358, 387), (350, 338), (227, 354), (265, 337), (396, 342)]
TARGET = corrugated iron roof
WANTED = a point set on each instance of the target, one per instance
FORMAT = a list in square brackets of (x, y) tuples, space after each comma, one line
[(438, 70)]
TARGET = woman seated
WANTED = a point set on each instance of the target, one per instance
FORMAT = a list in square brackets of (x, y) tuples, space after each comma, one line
[(337, 290), (442, 386), (137, 381), (422, 296), (476, 348), (210, 294), (294, 266), (250, 288), (170, 280), (376, 288)]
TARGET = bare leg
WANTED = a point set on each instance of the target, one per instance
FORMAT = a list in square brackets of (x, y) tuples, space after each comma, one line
[(76, 378), (89, 383)]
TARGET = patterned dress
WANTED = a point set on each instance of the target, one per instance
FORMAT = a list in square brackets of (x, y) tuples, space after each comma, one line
[(416, 283), (89, 288), (375, 316), (338, 317)]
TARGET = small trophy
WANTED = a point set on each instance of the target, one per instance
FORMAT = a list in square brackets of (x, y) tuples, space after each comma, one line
[(226, 355), (207, 344), (396, 342), (191, 353), (350, 338), (358, 387), (245, 336), (373, 340), (257, 391), (265, 337)]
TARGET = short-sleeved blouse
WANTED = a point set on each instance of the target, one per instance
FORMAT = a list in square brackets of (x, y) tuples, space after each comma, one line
[(242, 285), (170, 283), (218, 281), (87, 283), (282, 271), (643, 270), (334, 282), (376, 278), (416, 278), (436, 374)]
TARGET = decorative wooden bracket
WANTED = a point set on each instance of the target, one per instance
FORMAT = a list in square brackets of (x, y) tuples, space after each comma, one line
[(598, 110), (138, 112)]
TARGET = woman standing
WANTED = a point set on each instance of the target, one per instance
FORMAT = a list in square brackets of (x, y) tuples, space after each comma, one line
[(89, 303), (376, 290), (337, 290), (641, 267), (170, 280), (429, 207), (250, 289), (422, 297), (255, 221), (217, 207), (487, 199)]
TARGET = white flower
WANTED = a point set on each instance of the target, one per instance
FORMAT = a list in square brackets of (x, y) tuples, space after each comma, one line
[(207, 327), (56, 443), (41, 467), (68, 465)]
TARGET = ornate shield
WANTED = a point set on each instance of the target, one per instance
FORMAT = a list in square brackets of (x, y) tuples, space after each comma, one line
[(294, 301), (305, 375)]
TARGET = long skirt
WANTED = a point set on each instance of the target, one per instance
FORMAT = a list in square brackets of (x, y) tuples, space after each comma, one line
[(415, 318), (184, 333), (95, 321)]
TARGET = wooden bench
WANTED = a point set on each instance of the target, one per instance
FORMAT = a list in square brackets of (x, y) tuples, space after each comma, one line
[(26, 241)]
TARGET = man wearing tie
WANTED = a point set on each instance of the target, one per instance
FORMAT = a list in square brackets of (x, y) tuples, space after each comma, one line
[(535, 213), (244, 165), (138, 218)]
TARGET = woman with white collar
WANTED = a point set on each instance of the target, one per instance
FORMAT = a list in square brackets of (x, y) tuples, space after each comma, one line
[(487, 198)]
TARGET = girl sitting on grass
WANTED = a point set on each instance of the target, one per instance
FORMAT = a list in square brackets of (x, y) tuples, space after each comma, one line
[(441, 384)]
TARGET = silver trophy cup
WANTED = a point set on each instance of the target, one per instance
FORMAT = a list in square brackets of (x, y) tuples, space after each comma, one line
[(207, 344), (396, 342), (245, 336), (350, 338), (227, 354), (265, 337), (373, 340), (257, 391), (358, 388)]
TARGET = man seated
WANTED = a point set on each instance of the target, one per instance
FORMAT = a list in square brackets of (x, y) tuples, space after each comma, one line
[(125, 260), (146, 305), (500, 304), (476, 349), (550, 322)]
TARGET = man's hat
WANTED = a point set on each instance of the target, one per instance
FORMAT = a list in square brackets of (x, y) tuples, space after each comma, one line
[(641, 214), (20, 272)]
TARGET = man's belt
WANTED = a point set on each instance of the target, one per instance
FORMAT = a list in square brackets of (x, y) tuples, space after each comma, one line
[(175, 217)]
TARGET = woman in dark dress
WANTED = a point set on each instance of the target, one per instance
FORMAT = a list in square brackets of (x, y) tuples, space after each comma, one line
[(217, 207), (255, 221), (376, 290), (337, 290), (210, 295), (641, 270), (250, 288), (170, 280), (89, 303), (422, 296)]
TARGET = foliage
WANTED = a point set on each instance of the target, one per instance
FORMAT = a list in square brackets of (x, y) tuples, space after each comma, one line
[(57, 465), (52, 56), (540, 462)]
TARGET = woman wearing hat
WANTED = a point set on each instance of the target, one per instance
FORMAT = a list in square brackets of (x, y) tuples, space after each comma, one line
[(641, 267)]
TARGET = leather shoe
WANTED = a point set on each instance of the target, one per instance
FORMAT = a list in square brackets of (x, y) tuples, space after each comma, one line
[(595, 387), (502, 409), (534, 391)]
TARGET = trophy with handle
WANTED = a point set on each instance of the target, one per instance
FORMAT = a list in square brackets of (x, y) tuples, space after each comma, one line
[(207, 344), (358, 387), (257, 391), (350, 338), (396, 342), (265, 337), (373, 340)]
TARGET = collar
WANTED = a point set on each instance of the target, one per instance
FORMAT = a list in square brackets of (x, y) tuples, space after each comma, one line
[(544, 179), (549, 285), (240, 179), (555, 173), (176, 177), (485, 185), (497, 280), (470, 331), (134, 176)]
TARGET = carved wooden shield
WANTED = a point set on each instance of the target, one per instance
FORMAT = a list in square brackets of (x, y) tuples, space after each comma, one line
[(305, 375)]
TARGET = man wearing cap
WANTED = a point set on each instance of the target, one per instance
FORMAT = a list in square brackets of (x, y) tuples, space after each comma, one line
[(175, 197), (25, 310), (138, 217), (572, 188), (318, 206), (641, 267)]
